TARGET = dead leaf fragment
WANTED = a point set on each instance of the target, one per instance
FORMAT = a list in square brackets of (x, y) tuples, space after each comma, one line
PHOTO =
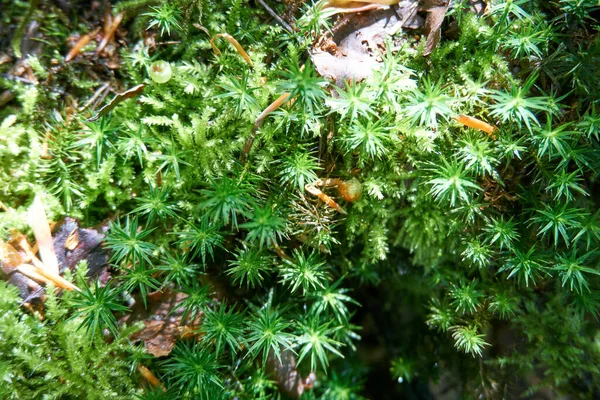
[(433, 23), (162, 322), (72, 240), (475, 123)]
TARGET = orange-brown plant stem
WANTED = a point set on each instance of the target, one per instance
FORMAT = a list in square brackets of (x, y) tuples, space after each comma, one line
[(108, 36), (235, 44), (81, 43), (259, 121), (475, 123)]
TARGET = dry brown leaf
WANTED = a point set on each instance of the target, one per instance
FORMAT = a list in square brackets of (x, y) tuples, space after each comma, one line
[(163, 323), (356, 46), (433, 23)]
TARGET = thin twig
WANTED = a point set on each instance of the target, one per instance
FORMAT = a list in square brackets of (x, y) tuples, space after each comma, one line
[(94, 97), (277, 17)]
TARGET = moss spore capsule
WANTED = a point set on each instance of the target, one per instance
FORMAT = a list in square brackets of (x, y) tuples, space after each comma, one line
[(160, 71)]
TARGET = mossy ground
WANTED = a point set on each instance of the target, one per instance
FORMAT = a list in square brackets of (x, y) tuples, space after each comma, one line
[(468, 264)]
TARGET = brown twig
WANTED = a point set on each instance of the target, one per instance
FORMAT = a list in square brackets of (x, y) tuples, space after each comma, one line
[(279, 20)]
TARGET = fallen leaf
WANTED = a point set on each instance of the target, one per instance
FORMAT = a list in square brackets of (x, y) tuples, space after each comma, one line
[(358, 45), (433, 23), (162, 320)]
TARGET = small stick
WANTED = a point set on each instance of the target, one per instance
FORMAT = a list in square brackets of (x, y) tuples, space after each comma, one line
[(30, 271), (42, 275), (96, 94), (235, 44), (281, 22), (81, 43), (110, 33)]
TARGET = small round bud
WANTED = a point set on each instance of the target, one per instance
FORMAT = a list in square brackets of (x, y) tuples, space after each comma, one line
[(160, 71)]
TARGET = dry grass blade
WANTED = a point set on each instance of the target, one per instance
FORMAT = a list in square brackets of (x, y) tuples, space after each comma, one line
[(234, 43), (40, 274), (31, 272), (43, 236)]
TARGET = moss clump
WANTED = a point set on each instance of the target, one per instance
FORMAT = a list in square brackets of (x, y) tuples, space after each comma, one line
[(460, 237)]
